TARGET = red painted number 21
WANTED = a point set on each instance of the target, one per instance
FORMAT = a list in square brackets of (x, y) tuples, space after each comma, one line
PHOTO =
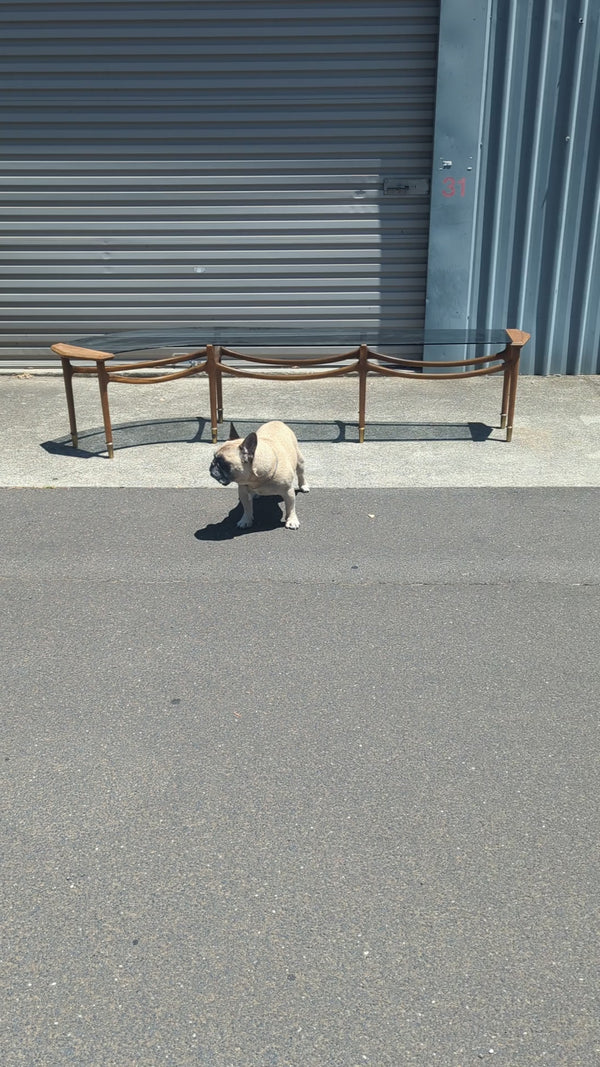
[(453, 187)]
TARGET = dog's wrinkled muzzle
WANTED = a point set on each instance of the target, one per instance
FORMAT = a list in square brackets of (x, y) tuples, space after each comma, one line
[(219, 473)]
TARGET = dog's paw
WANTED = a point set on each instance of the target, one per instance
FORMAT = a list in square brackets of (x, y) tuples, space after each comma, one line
[(244, 523), (304, 488), (292, 523)]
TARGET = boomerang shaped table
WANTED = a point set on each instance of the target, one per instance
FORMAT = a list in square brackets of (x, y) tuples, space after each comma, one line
[(316, 353)]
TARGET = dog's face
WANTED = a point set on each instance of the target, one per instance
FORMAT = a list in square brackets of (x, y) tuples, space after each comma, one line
[(220, 469), (232, 462)]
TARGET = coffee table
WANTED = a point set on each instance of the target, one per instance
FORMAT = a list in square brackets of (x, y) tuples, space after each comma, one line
[(289, 353)]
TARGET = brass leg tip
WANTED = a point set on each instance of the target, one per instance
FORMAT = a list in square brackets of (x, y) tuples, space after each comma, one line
[(361, 436), (509, 433), (220, 415), (111, 452), (503, 422), (75, 440)]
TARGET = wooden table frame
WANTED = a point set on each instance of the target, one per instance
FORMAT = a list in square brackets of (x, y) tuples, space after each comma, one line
[(212, 361)]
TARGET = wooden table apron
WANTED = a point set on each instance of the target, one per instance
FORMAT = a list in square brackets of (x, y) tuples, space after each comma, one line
[(212, 359)]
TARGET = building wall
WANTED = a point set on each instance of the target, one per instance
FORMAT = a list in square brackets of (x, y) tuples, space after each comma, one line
[(527, 251), (169, 162), (212, 160)]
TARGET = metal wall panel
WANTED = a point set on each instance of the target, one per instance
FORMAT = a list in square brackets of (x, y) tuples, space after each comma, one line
[(537, 255), (174, 162)]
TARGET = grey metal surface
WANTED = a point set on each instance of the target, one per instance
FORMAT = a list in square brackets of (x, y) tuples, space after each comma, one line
[(455, 182), (259, 162), (540, 229), (527, 249), (326, 798)]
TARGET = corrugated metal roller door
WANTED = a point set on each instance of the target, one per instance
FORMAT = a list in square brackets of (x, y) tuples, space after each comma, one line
[(186, 161)]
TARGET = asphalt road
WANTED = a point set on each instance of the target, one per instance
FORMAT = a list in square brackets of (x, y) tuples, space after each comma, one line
[(278, 799)]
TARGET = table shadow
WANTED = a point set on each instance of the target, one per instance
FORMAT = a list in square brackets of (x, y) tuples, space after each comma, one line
[(91, 443)]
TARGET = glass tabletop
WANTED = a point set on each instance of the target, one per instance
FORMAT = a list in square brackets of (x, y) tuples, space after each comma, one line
[(311, 336)]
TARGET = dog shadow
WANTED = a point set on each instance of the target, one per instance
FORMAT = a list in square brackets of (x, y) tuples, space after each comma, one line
[(268, 515)]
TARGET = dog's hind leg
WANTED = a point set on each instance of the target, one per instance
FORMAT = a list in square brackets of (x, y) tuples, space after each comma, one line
[(303, 485)]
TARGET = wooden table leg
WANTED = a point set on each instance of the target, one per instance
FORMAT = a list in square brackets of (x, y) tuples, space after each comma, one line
[(213, 388), (512, 392), (219, 395), (505, 394), (67, 370), (362, 391), (103, 381), (518, 339)]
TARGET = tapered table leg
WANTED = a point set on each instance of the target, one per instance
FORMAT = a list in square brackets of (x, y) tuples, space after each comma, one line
[(103, 380), (67, 370)]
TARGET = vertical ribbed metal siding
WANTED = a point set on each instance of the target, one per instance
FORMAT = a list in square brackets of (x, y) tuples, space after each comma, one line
[(538, 265), (174, 162)]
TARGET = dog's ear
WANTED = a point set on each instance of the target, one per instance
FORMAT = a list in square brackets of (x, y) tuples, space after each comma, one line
[(248, 447), (233, 434)]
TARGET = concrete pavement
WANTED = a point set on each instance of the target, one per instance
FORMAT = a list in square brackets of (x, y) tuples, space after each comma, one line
[(419, 434), (327, 797)]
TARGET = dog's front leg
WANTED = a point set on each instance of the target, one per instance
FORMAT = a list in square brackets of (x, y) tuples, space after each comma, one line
[(291, 519), (246, 501)]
